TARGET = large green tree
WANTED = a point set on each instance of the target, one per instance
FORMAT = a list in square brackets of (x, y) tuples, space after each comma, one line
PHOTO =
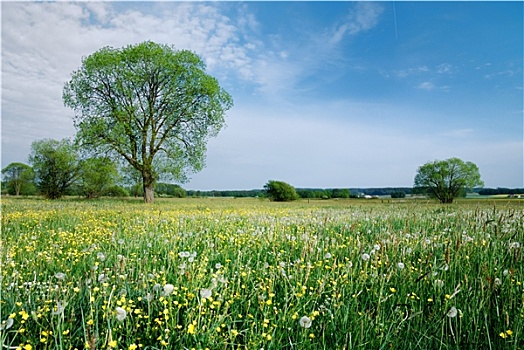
[(150, 104), (56, 166), (19, 178), (447, 179)]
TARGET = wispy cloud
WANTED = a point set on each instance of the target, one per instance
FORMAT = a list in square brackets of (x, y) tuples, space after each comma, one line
[(426, 85), (430, 86), (364, 16)]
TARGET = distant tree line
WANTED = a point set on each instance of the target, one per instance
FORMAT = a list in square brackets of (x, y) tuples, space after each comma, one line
[(499, 190), (58, 168)]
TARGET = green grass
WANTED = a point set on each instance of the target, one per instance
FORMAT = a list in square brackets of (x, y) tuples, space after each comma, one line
[(250, 274)]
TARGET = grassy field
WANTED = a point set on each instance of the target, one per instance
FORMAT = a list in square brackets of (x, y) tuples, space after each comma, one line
[(250, 274)]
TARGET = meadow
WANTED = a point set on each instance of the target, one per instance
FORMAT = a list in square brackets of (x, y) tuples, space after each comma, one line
[(251, 274)]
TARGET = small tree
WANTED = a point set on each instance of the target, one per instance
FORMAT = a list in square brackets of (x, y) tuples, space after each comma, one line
[(56, 166), (280, 191), (447, 179), (97, 175), (19, 178)]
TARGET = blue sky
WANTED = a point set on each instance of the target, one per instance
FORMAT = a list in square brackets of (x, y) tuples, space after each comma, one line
[(327, 94)]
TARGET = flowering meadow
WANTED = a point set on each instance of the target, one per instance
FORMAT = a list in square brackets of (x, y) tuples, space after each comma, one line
[(251, 274)]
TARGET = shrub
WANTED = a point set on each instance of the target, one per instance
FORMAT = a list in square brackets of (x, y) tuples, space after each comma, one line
[(280, 191)]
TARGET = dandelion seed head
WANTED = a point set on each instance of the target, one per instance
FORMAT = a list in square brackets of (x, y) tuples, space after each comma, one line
[(6, 324), (121, 313), (453, 312), (168, 289), (365, 256), (184, 254), (400, 265), (305, 322), (205, 293), (60, 307), (438, 283), (60, 275)]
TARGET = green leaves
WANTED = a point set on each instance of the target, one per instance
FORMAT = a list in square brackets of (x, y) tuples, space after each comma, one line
[(56, 166), (280, 191), (447, 179), (148, 103)]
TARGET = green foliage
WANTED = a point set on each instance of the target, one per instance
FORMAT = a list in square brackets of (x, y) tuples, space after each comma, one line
[(447, 179), (56, 166), (151, 105), (340, 193), (170, 190), (19, 178), (97, 176), (398, 194), (116, 191), (280, 191)]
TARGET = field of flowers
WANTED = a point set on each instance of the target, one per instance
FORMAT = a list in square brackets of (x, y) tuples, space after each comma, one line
[(250, 274)]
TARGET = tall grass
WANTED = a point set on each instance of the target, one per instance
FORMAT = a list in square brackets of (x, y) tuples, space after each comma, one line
[(249, 274)]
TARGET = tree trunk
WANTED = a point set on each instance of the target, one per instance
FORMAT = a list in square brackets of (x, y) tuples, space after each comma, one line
[(148, 186)]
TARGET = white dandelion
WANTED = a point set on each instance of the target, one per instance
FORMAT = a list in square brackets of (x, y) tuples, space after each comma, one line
[(6, 324), (60, 275), (59, 309), (121, 313), (438, 283), (400, 265), (100, 256), (365, 256), (168, 289), (453, 312), (102, 278), (305, 322), (205, 293), (184, 254)]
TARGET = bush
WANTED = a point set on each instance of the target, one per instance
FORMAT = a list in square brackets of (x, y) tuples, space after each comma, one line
[(280, 191), (398, 194), (116, 191)]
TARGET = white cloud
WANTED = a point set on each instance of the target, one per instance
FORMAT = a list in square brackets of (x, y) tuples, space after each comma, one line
[(426, 85), (43, 43), (364, 16)]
